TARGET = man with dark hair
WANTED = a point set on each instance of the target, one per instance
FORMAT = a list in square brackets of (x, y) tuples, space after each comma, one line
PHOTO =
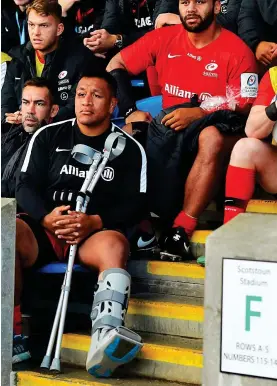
[(37, 109), (51, 224), (46, 55), (198, 62)]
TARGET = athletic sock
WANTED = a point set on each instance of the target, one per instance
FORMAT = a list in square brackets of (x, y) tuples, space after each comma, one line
[(17, 321), (185, 221), (240, 185)]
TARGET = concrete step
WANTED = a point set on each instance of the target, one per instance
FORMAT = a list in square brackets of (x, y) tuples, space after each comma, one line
[(166, 358), (182, 279), (262, 206), (212, 216), (171, 315), (198, 241), (79, 377)]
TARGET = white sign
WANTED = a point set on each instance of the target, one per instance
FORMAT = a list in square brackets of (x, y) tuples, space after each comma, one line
[(249, 318)]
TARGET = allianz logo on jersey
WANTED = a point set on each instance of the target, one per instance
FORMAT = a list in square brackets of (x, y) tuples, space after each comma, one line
[(175, 90), (107, 174)]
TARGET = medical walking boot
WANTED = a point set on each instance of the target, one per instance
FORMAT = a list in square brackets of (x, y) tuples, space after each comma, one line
[(112, 344)]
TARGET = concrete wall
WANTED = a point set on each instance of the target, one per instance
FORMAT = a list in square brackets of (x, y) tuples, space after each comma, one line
[(8, 210), (250, 236)]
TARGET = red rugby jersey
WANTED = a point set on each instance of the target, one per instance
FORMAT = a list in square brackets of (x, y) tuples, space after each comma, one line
[(266, 93), (183, 70)]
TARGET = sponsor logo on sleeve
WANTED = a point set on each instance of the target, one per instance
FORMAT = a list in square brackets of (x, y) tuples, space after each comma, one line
[(248, 85)]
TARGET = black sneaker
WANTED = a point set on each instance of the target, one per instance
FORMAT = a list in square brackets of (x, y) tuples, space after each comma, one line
[(175, 245), (144, 244), (20, 349)]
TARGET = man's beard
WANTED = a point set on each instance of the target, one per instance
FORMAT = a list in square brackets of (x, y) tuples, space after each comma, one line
[(202, 26), (31, 129)]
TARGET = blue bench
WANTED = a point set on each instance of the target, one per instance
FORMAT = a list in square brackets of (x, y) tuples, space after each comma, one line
[(57, 267)]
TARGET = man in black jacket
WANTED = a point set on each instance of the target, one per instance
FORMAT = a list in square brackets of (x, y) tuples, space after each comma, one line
[(125, 21), (37, 109), (14, 29), (82, 17), (118, 203), (46, 55), (257, 26)]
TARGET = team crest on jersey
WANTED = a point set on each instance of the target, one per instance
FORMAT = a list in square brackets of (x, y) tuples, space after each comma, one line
[(62, 74), (210, 68)]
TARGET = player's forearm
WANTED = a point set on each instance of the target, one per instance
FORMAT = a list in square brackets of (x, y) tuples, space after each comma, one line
[(30, 201), (116, 63), (258, 124)]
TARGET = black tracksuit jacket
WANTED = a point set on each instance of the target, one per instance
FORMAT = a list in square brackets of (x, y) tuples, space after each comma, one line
[(257, 22), (63, 68), (119, 17), (84, 17), (119, 197), (10, 37), (13, 148)]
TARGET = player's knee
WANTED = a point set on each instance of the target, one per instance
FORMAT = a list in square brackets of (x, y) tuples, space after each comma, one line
[(23, 232), (110, 250), (211, 142), (246, 149), (26, 244)]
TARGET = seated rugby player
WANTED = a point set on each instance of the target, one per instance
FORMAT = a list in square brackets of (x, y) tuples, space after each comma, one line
[(254, 158), (50, 224), (195, 60)]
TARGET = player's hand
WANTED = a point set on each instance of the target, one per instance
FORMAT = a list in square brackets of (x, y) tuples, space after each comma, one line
[(50, 220), (265, 51), (14, 118), (100, 41), (66, 5), (77, 229), (180, 118), (167, 19), (139, 116)]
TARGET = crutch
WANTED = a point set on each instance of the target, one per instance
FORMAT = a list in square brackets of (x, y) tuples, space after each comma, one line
[(85, 155)]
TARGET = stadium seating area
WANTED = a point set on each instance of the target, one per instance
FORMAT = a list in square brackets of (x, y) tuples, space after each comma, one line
[(166, 305)]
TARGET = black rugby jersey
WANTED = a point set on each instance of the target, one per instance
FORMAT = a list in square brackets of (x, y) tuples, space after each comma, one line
[(119, 197)]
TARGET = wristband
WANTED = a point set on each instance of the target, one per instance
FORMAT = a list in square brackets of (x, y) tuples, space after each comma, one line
[(125, 97), (130, 111), (271, 112)]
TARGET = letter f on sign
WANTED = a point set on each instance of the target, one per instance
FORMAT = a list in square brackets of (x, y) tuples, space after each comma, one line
[(248, 312)]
